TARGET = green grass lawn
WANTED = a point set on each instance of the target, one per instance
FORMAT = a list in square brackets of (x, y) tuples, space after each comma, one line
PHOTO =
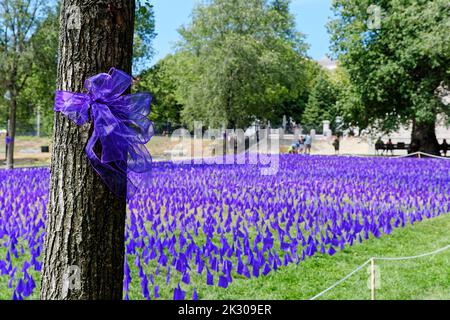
[(425, 278)]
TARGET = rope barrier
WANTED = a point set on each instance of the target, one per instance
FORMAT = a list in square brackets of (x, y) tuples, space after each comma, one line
[(342, 280), (415, 257), (420, 154), (381, 259), (356, 156)]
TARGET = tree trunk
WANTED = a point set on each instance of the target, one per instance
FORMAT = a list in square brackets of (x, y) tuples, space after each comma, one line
[(424, 137), (11, 130), (85, 228)]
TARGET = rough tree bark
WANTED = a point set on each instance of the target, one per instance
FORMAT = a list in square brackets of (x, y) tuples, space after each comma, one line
[(85, 221), (424, 136)]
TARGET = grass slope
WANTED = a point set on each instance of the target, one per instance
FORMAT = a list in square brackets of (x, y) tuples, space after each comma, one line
[(421, 279)]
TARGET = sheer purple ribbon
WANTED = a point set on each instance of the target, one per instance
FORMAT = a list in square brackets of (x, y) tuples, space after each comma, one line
[(116, 149)]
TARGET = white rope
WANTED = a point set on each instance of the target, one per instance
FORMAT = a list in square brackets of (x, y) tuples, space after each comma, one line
[(421, 154), (397, 157), (415, 257), (342, 280), (407, 156), (356, 156), (382, 259)]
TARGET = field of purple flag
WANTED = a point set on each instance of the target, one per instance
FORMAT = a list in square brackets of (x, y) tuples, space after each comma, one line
[(211, 224)]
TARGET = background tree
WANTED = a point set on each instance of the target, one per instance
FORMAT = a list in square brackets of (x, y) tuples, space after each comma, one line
[(243, 60), (85, 221), (348, 104), (37, 97), (322, 102), (161, 81), (294, 105), (144, 34), (18, 21), (396, 69)]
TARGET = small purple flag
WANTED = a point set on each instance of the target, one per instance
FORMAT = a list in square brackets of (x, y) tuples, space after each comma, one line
[(178, 293), (195, 295), (223, 282), (209, 278)]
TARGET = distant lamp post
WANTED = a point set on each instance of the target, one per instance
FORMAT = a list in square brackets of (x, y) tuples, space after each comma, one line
[(38, 122)]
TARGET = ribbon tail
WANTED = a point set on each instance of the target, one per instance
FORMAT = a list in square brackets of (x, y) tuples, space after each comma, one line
[(112, 175)]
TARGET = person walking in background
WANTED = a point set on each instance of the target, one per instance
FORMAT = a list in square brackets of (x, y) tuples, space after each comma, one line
[(337, 145), (308, 144), (444, 148)]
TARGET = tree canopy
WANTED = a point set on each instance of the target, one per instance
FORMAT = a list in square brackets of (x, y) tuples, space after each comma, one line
[(161, 81), (144, 34), (395, 69), (322, 102), (243, 59), (35, 58)]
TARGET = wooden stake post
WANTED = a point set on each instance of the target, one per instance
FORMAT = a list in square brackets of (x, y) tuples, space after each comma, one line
[(373, 279)]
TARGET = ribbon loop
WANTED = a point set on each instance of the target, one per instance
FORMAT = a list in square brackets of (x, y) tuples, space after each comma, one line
[(116, 149)]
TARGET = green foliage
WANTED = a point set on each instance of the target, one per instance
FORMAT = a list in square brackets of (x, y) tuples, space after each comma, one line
[(322, 102), (242, 60), (19, 21), (396, 69), (38, 94), (36, 60), (160, 81), (143, 35)]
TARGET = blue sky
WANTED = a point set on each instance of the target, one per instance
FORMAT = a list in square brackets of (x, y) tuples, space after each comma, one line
[(311, 17)]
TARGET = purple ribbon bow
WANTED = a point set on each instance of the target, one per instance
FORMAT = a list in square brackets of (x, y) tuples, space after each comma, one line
[(116, 149)]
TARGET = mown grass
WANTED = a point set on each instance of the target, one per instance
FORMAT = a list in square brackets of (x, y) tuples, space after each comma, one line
[(420, 279)]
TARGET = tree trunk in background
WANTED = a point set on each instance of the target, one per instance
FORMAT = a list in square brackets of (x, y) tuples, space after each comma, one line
[(424, 135), (11, 130), (85, 221)]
